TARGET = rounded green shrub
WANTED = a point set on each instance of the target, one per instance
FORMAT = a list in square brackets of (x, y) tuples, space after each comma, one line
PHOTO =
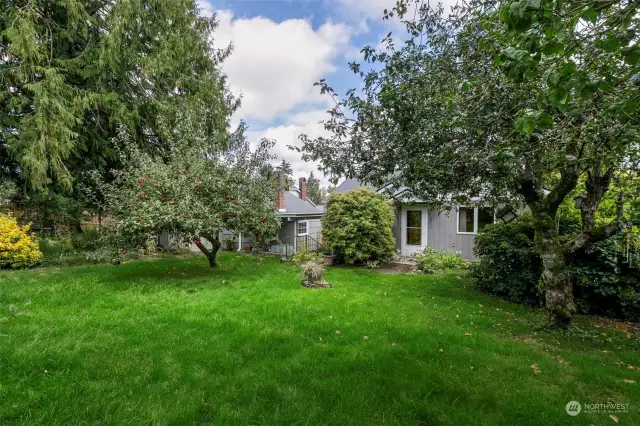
[(357, 227), (508, 264)]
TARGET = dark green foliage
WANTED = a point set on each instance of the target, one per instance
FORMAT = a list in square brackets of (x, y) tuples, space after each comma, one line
[(603, 282), (357, 226), (87, 240), (79, 69), (285, 167), (90, 246), (606, 284), (230, 244), (509, 265), (314, 191)]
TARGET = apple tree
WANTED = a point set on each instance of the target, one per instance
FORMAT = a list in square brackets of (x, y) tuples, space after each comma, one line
[(509, 102), (193, 194)]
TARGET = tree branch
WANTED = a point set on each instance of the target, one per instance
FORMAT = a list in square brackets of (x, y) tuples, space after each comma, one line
[(531, 192), (568, 181), (600, 233), (596, 186)]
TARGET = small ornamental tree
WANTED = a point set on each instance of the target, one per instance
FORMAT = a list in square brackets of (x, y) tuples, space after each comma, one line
[(357, 226), (18, 248), (193, 195)]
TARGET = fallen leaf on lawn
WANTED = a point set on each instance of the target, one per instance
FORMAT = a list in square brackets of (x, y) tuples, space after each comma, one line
[(321, 339), (393, 344), (457, 316), (441, 350), (614, 418), (467, 334), (630, 367), (365, 337), (337, 331), (628, 381), (535, 369)]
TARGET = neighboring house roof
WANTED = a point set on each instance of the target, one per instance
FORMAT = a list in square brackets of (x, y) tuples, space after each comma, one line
[(295, 206), (350, 184)]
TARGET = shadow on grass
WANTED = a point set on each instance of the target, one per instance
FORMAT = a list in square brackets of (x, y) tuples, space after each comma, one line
[(180, 272)]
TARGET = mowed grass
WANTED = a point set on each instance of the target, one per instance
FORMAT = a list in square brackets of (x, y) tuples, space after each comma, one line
[(171, 342)]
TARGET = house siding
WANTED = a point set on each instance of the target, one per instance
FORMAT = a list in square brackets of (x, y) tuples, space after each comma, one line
[(289, 228), (396, 229), (442, 233)]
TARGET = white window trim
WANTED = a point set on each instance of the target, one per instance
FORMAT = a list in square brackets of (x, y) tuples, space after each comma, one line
[(475, 220), (306, 222), (411, 249), (407, 227)]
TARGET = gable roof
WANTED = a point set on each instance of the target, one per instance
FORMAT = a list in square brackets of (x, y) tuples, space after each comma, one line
[(295, 206), (350, 184)]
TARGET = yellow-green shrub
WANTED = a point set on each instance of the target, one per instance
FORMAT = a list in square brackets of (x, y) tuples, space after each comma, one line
[(18, 248)]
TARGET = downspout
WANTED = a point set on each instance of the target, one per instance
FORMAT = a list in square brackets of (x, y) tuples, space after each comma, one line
[(239, 241)]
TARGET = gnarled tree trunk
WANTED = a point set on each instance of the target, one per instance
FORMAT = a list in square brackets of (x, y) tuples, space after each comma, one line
[(215, 246), (556, 273)]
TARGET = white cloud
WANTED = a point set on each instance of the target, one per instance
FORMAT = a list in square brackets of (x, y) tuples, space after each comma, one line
[(370, 11), (285, 135), (367, 9), (205, 7), (274, 65)]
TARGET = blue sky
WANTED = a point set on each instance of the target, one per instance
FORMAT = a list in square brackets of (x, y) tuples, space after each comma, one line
[(281, 47)]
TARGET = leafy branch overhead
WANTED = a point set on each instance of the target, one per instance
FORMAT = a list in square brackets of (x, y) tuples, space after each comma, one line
[(514, 102)]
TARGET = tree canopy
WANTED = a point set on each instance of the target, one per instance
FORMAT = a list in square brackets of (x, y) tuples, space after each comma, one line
[(72, 72), (511, 102), (193, 194), (314, 191), (285, 168)]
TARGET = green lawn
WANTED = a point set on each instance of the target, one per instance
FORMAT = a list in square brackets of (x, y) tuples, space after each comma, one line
[(171, 342)]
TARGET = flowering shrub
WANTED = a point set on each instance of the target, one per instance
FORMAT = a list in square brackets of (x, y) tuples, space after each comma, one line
[(18, 249)]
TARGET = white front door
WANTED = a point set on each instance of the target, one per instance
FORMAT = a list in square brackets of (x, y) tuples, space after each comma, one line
[(414, 229)]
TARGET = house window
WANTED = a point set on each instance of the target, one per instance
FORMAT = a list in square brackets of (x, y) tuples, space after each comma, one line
[(485, 217), (303, 227), (466, 220), (414, 227), (471, 220)]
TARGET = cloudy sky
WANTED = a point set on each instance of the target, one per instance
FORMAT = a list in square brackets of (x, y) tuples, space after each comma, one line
[(282, 47)]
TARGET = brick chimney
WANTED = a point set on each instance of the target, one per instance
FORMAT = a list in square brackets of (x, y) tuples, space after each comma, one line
[(280, 203), (303, 188)]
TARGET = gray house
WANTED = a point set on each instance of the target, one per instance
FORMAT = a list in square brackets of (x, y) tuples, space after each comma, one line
[(417, 227), (300, 226), (300, 220)]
